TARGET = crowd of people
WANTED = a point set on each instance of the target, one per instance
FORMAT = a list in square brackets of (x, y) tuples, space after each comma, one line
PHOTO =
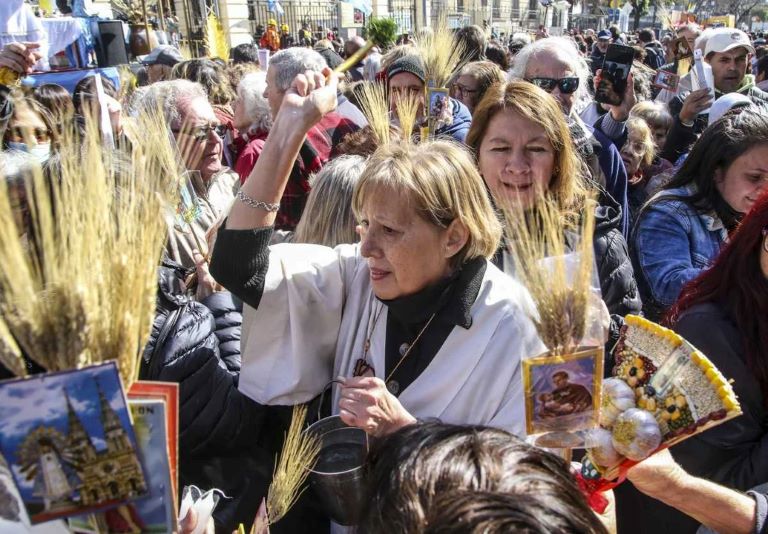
[(328, 256)]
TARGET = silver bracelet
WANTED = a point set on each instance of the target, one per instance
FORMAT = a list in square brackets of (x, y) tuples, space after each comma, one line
[(256, 204)]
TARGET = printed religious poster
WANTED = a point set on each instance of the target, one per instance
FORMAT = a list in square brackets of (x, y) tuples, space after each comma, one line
[(169, 393), (562, 393), (69, 442)]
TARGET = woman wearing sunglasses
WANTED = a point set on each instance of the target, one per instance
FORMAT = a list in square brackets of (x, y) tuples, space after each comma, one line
[(723, 313), (520, 138), (555, 65), (26, 126)]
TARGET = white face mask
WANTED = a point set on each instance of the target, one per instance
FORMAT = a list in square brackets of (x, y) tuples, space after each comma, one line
[(40, 151)]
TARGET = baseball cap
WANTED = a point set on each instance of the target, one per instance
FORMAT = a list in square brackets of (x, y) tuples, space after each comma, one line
[(726, 103), (411, 63), (163, 55), (726, 39), (604, 34)]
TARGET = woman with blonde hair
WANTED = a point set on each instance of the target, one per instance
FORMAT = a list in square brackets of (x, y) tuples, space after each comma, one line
[(524, 152), (415, 320), (328, 218)]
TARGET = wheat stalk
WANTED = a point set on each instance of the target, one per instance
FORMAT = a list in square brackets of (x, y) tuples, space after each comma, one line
[(441, 52), (407, 107), (561, 299), (374, 105), (78, 284), (298, 456)]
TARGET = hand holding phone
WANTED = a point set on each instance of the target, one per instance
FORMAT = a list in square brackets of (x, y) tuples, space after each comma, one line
[(612, 81)]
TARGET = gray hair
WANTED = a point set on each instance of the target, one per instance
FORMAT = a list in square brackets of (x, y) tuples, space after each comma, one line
[(170, 97), (328, 218), (566, 50), (291, 62), (251, 92)]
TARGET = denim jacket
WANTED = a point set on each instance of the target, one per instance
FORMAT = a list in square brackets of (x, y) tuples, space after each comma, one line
[(672, 243)]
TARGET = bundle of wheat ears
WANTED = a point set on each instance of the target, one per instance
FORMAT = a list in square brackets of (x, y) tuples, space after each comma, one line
[(560, 290), (441, 52), (79, 275)]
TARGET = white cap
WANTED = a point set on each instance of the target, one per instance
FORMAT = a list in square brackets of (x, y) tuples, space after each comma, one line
[(725, 39), (726, 103)]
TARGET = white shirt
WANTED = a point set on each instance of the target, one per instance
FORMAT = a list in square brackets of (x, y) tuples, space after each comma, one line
[(313, 320), (19, 24)]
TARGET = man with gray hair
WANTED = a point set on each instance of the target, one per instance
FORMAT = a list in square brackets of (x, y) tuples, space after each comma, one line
[(555, 65), (193, 124), (318, 147)]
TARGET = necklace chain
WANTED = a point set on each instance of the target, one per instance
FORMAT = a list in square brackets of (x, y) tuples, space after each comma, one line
[(410, 348), (372, 322)]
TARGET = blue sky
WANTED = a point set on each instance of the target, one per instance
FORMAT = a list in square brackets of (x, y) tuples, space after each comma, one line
[(28, 403)]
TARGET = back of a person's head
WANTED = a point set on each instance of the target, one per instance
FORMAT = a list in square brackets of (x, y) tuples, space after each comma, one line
[(411, 468), (210, 75), (472, 39), (291, 62), (486, 512), (328, 218), (251, 91), (646, 35), (85, 92), (498, 55), (245, 53)]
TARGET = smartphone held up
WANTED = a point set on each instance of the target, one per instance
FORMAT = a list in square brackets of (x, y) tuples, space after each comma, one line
[(612, 81)]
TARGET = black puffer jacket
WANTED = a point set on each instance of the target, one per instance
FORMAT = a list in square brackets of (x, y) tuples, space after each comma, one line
[(614, 268), (197, 345)]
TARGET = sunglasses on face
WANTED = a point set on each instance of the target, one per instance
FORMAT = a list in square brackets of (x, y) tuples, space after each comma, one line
[(566, 85)]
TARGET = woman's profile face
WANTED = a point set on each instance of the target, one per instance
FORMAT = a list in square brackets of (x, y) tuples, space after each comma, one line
[(516, 159), (405, 252), (745, 179)]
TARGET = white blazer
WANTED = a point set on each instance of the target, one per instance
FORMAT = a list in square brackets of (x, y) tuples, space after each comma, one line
[(312, 322)]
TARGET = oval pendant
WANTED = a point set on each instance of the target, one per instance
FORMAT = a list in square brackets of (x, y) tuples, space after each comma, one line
[(393, 386), (404, 349)]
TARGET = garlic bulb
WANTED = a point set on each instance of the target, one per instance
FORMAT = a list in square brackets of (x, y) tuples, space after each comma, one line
[(617, 397), (599, 443), (636, 434)]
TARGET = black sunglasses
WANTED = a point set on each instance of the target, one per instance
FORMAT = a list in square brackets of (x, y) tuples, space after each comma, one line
[(566, 85)]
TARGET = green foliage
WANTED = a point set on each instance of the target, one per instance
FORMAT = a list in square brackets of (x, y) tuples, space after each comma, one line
[(382, 31)]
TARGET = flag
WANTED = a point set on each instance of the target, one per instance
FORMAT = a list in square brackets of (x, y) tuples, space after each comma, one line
[(361, 5), (275, 7)]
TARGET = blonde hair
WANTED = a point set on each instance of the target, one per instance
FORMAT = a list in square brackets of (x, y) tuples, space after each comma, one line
[(327, 218), (442, 181), (566, 188), (655, 114), (638, 127)]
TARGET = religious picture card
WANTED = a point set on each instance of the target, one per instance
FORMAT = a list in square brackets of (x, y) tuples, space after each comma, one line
[(155, 513), (69, 442), (169, 393), (562, 393)]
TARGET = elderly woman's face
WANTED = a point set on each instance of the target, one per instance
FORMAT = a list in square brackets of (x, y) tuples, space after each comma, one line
[(548, 64), (516, 159), (405, 252)]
